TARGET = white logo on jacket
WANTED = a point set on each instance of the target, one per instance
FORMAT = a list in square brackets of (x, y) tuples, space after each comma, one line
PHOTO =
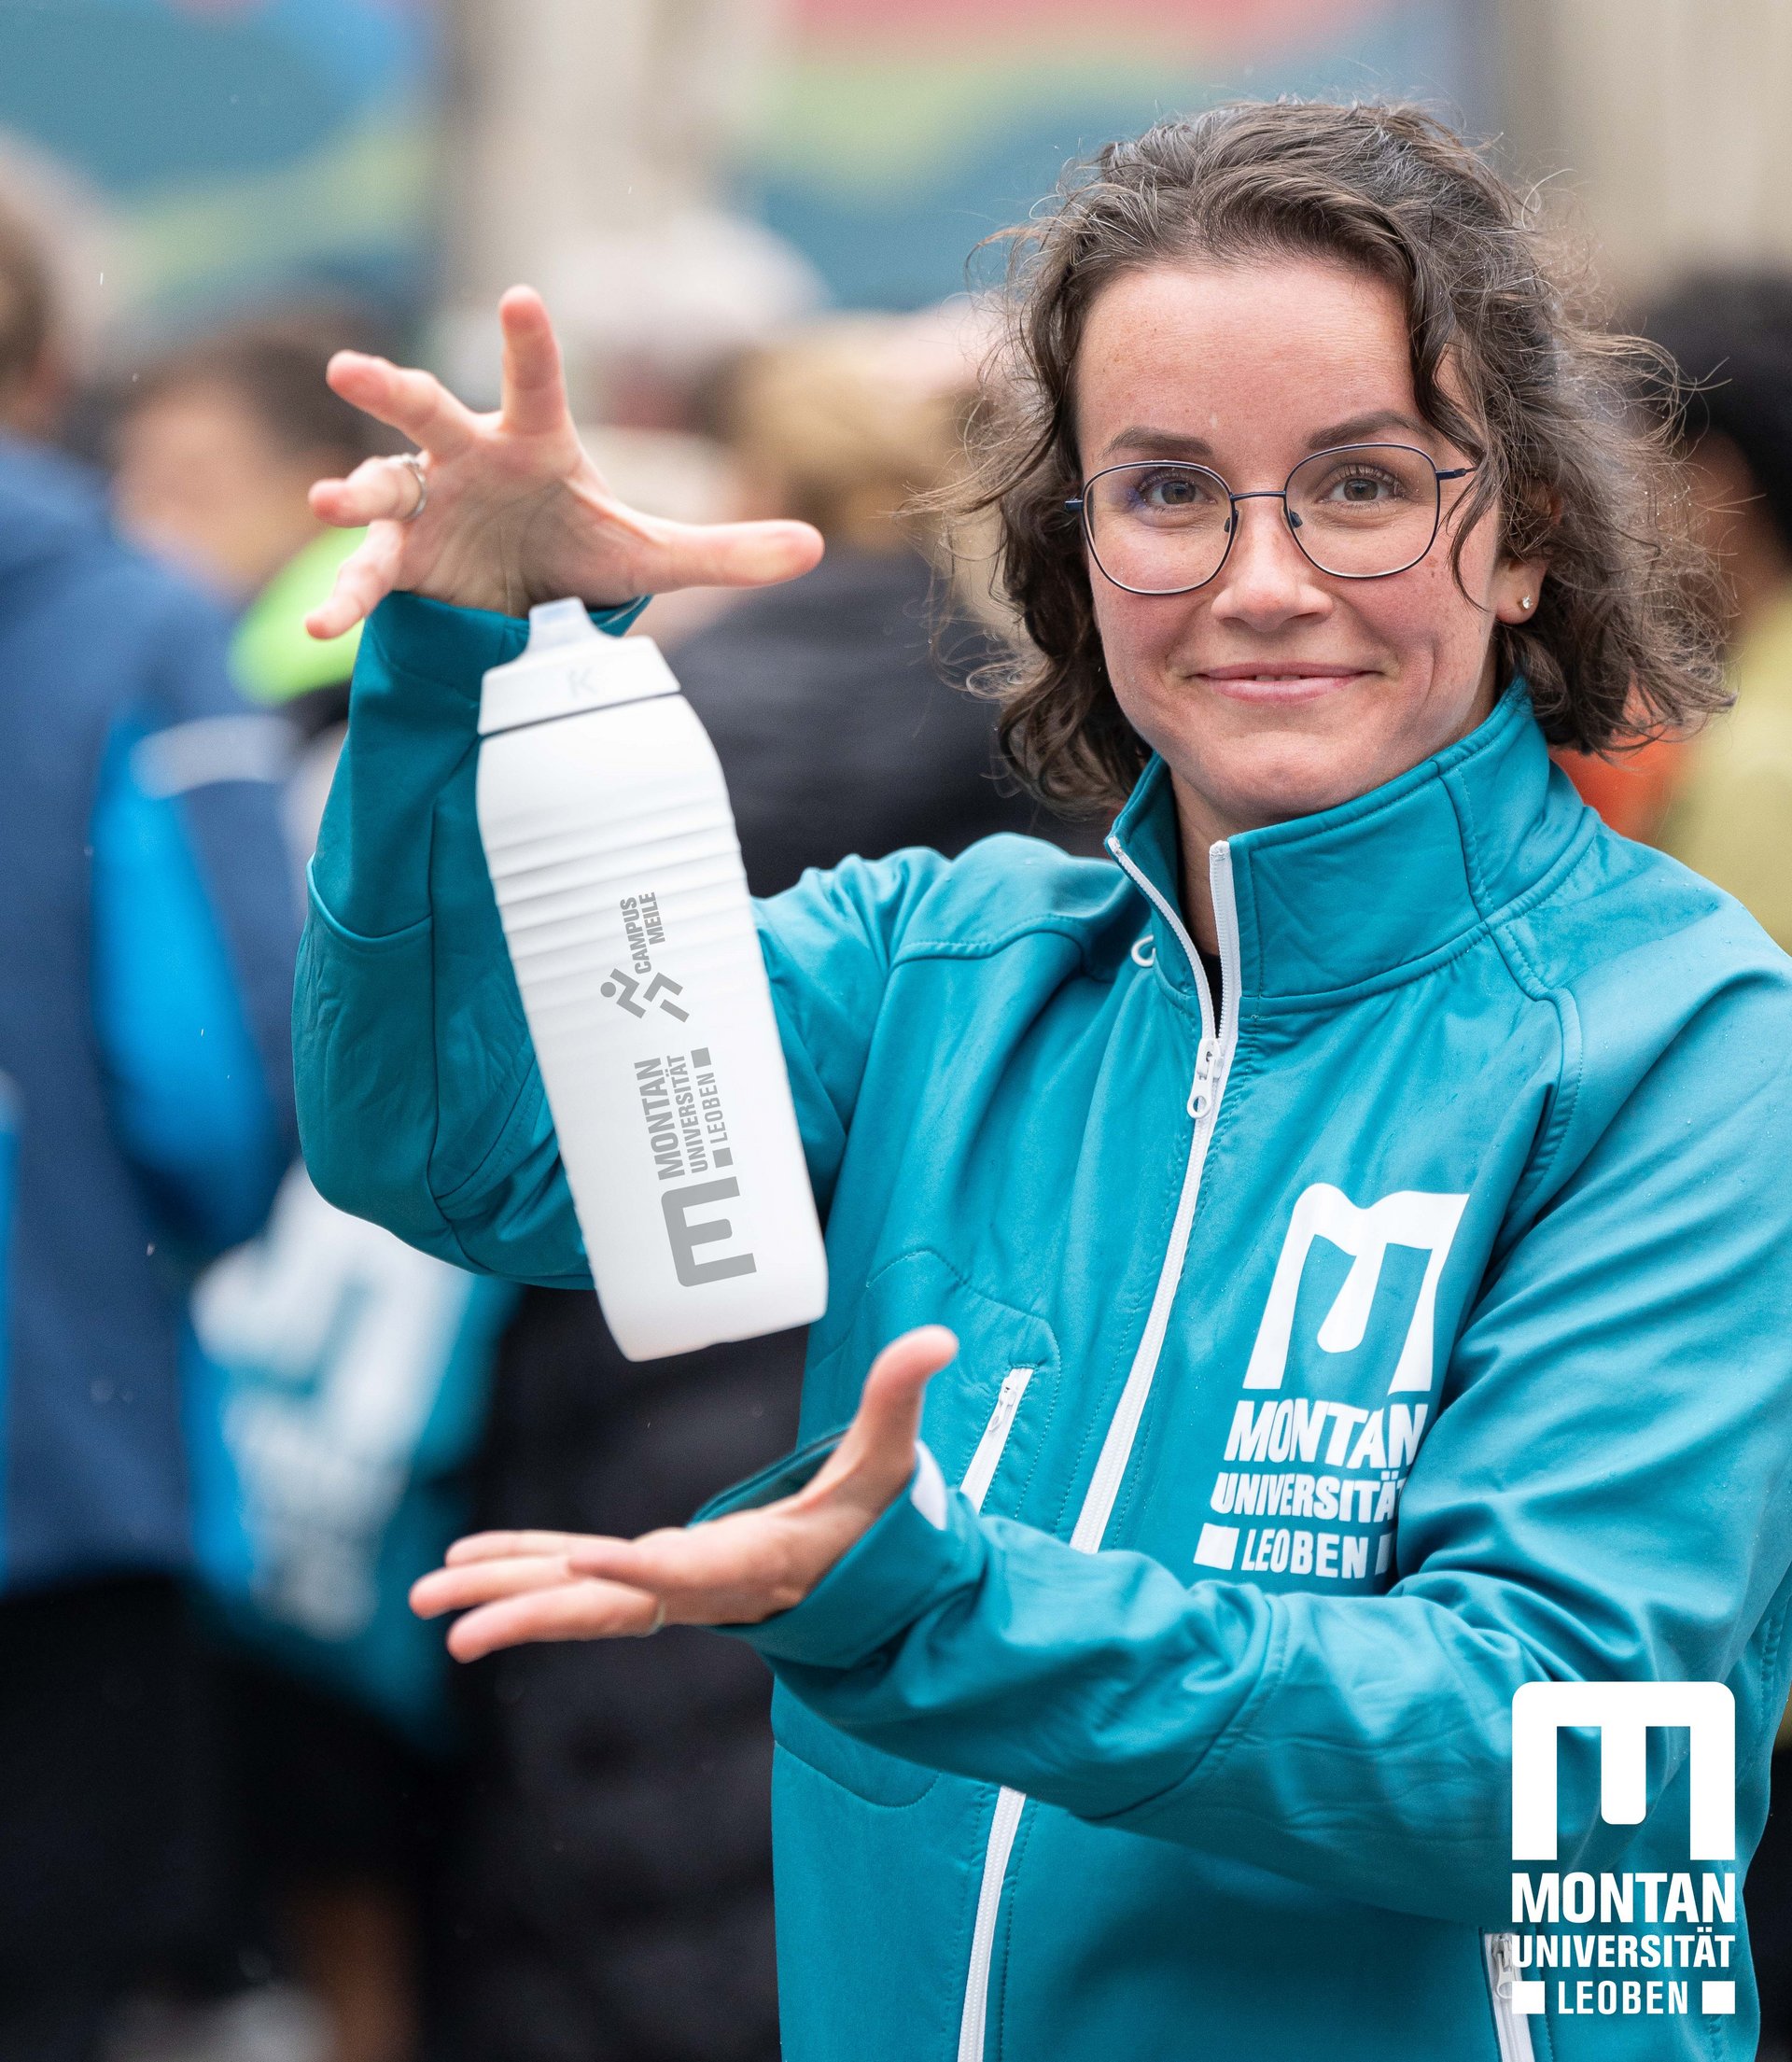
[(1409, 1217), (1279, 1447)]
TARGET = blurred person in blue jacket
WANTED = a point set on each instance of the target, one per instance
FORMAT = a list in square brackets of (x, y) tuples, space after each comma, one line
[(146, 936), (350, 1370)]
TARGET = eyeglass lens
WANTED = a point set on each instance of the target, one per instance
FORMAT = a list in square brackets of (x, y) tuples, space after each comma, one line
[(1163, 528)]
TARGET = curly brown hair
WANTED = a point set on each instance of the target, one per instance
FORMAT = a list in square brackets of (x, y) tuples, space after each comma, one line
[(1543, 399)]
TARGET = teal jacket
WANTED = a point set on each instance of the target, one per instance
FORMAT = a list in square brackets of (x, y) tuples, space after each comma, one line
[(1417, 1331)]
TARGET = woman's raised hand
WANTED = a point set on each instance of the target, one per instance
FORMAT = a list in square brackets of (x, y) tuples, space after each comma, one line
[(520, 1586), (516, 510)]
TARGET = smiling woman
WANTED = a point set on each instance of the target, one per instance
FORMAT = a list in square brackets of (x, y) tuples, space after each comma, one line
[(1381, 283), (1335, 1260)]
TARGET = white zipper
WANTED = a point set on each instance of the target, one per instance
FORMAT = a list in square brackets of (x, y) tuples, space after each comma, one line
[(1212, 1061), (1511, 2027), (1009, 1803), (1002, 1828), (987, 1458)]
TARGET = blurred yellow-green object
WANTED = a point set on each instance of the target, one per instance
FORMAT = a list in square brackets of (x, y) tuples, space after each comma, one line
[(272, 655), (1731, 819)]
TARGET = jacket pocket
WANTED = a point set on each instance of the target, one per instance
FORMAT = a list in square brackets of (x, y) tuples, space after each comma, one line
[(984, 1421)]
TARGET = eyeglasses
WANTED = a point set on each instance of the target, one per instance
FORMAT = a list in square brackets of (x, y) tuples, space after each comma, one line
[(1359, 511)]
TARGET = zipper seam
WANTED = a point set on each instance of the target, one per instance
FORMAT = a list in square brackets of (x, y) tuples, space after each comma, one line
[(1214, 1057), (990, 1447), (973, 2022), (1511, 2029), (1009, 1803)]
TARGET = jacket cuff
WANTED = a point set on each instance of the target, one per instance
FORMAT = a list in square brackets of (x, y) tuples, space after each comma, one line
[(927, 1545), (453, 649)]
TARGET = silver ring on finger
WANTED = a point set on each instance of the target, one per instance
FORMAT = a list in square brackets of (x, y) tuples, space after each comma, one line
[(412, 463), (659, 1620)]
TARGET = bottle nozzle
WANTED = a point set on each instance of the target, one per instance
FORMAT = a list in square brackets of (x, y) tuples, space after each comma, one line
[(553, 624)]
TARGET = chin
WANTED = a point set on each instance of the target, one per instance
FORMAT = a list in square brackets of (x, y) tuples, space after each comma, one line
[(1283, 777)]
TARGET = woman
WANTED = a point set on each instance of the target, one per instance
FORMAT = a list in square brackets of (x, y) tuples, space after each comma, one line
[(1359, 1216)]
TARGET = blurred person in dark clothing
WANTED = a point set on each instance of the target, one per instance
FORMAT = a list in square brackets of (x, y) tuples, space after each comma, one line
[(147, 937), (586, 1925), (842, 426), (1731, 817)]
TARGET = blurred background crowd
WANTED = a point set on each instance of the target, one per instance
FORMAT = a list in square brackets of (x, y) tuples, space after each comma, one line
[(247, 1816)]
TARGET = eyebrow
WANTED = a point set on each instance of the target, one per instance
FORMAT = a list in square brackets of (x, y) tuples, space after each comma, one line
[(1355, 429), (1358, 428)]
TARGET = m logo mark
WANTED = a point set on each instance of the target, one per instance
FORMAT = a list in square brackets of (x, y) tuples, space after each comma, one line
[(1623, 1712), (1409, 1218)]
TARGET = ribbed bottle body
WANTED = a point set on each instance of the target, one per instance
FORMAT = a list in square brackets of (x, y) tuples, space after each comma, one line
[(618, 874)]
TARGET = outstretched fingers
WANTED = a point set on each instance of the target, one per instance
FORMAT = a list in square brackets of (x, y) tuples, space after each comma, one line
[(377, 490), (475, 1583), (743, 1567), (504, 1546), (728, 555), (575, 1610), (363, 581), (733, 1571), (872, 1463), (535, 386), (404, 398)]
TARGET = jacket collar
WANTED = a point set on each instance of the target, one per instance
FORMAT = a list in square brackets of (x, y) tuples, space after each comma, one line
[(1368, 893)]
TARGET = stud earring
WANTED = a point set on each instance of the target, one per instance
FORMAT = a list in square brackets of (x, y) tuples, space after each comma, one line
[(1524, 601)]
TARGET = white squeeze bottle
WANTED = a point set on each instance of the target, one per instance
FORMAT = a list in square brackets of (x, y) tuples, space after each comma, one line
[(612, 853)]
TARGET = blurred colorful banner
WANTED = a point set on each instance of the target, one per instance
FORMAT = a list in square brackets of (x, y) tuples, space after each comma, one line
[(902, 131), (241, 147)]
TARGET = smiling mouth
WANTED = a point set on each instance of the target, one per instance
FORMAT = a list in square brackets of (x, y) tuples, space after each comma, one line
[(1287, 680)]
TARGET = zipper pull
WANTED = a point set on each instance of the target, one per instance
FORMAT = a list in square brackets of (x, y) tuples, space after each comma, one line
[(1207, 1062)]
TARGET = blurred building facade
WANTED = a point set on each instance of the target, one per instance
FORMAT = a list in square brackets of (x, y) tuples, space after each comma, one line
[(704, 170), (1663, 122)]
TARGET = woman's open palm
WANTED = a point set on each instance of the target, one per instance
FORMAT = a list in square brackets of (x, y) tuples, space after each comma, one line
[(520, 1586), (515, 512)]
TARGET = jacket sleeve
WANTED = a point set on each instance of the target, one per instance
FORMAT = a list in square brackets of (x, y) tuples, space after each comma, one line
[(420, 1103), (1608, 1495)]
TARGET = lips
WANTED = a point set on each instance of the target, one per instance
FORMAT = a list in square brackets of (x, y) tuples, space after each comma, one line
[(1287, 680)]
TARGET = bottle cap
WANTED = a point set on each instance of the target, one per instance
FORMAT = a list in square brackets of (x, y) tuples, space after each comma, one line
[(568, 667)]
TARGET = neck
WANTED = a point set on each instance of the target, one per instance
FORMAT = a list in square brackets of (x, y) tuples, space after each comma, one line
[(1200, 826)]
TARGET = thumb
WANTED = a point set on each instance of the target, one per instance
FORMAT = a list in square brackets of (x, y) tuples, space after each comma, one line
[(878, 1455), (731, 554)]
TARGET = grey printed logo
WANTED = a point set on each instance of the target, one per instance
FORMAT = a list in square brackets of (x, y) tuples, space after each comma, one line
[(687, 1237), (624, 989)]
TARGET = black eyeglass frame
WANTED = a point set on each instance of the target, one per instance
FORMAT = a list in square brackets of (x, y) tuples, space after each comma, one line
[(1078, 504)]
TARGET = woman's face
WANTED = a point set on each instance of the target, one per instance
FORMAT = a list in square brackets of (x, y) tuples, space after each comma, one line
[(1277, 690)]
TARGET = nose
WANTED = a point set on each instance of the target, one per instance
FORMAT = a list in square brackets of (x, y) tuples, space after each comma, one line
[(1266, 580)]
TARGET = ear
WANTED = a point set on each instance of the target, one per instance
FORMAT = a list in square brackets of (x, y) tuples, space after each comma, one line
[(1518, 588)]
